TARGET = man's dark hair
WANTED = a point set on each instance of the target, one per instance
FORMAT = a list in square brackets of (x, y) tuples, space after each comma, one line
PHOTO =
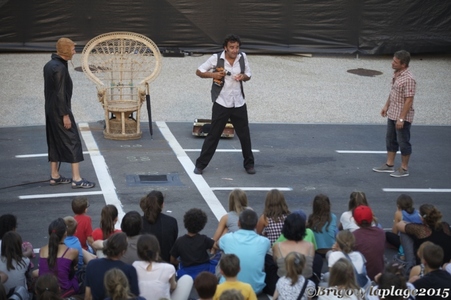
[(8, 222), (194, 220), (132, 223), (389, 281), (205, 284), (231, 38), (403, 56), (115, 245), (294, 227), (230, 265), (433, 255), (248, 219)]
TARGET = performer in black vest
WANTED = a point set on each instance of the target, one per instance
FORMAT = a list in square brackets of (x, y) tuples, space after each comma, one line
[(228, 69)]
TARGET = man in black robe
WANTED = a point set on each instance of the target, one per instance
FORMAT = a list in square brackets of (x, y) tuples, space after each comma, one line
[(63, 140)]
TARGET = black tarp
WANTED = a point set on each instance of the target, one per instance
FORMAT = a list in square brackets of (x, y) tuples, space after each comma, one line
[(313, 26)]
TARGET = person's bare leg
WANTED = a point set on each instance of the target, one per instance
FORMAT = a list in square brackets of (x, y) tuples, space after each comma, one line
[(391, 158), (76, 172), (405, 161), (54, 173)]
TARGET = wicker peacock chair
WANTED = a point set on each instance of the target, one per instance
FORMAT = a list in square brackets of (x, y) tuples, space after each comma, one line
[(121, 64)]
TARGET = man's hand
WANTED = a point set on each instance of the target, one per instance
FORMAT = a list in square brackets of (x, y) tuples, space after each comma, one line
[(219, 74), (66, 121), (240, 77), (399, 124), (384, 111)]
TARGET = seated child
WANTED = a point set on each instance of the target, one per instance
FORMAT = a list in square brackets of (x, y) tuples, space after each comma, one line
[(230, 267), (72, 241), (293, 284), (190, 250), (418, 270), (84, 228), (404, 212), (205, 285), (231, 295)]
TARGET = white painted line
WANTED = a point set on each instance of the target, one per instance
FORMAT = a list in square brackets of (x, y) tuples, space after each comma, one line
[(198, 180), (220, 150), (108, 190), (39, 155), (103, 175), (398, 190), (284, 189), (361, 152), (59, 195)]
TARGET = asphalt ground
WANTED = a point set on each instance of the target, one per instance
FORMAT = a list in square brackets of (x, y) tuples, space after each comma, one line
[(301, 160)]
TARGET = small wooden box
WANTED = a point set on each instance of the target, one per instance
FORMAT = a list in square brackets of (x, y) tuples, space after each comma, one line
[(201, 127)]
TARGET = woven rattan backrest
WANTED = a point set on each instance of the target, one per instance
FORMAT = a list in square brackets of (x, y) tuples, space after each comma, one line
[(120, 62)]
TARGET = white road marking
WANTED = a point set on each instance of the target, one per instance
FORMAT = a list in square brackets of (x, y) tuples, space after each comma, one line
[(220, 150), (108, 190), (204, 189), (361, 152), (39, 155), (103, 175), (399, 190), (283, 189), (59, 195)]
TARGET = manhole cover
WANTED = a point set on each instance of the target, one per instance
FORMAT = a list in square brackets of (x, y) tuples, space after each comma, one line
[(364, 72), (151, 178), (160, 179)]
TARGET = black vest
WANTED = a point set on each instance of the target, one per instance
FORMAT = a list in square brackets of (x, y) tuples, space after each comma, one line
[(216, 89)]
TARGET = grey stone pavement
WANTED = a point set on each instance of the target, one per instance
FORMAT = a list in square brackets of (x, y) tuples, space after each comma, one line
[(283, 89), (301, 109)]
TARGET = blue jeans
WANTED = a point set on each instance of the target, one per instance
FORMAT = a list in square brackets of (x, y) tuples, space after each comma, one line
[(398, 139)]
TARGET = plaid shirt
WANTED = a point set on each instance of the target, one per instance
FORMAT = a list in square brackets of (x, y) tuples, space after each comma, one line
[(403, 86)]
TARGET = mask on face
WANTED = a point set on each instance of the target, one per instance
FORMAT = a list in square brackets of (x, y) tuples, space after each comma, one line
[(64, 47)]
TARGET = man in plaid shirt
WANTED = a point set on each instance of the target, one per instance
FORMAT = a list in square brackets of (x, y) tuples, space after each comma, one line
[(399, 110)]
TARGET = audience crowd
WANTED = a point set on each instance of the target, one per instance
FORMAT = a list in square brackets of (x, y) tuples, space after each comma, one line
[(279, 253)]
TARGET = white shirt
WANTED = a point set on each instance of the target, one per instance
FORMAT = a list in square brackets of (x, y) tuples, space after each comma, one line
[(355, 256), (348, 222), (154, 284), (230, 95)]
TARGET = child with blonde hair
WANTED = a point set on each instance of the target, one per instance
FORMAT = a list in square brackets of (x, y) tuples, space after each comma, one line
[(229, 222), (117, 287), (232, 295), (293, 285), (271, 221), (342, 282)]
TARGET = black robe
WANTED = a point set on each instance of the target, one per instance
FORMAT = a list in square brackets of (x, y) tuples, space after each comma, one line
[(64, 145)]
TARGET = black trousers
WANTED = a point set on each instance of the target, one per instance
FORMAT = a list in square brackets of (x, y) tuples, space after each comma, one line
[(219, 118)]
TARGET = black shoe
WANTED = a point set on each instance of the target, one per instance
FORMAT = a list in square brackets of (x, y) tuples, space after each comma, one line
[(198, 171), (251, 170)]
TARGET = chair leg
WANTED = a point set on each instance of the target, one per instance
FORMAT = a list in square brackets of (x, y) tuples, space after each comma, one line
[(138, 123), (107, 121), (123, 122)]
